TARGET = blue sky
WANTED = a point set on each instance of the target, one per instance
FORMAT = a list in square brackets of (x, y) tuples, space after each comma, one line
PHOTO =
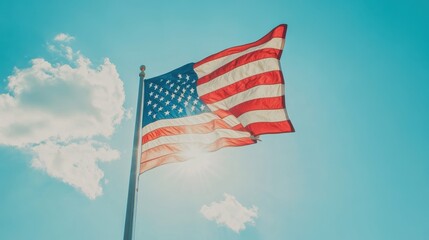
[(357, 86)]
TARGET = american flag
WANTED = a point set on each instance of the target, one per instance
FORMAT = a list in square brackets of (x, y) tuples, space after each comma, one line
[(226, 99)]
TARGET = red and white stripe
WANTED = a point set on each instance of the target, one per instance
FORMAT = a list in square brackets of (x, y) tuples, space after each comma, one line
[(246, 81), (171, 140)]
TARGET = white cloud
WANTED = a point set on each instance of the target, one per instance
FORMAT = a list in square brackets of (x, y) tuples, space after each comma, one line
[(63, 37), (61, 108), (230, 213), (75, 163)]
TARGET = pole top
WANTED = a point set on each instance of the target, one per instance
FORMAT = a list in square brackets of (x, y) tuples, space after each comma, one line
[(142, 69)]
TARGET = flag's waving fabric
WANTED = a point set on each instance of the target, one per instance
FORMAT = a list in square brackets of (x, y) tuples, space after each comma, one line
[(226, 99)]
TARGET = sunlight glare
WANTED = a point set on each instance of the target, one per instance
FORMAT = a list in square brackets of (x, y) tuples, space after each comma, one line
[(199, 163)]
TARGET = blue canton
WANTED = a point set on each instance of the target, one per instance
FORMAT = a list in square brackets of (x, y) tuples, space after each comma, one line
[(172, 95)]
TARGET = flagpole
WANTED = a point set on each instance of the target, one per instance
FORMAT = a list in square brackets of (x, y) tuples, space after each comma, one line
[(134, 172)]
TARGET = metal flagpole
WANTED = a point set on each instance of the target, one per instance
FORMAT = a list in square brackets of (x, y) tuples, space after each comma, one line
[(134, 172)]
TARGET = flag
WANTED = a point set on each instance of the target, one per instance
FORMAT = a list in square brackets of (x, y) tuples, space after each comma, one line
[(226, 99)]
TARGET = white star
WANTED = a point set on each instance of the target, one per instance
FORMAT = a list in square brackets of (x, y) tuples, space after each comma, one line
[(156, 96), (174, 106), (167, 92), (150, 94), (195, 102), (173, 96), (179, 99), (189, 97), (192, 90), (167, 113), (171, 85), (149, 113), (180, 110), (168, 81), (179, 76), (154, 106), (154, 116), (159, 109), (187, 86), (192, 108), (149, 102), (150, 85), (167, 103), (202, 107), (156, 87), (186, 103)]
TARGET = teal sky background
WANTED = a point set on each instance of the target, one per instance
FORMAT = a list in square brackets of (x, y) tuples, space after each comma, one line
[(357, 90)]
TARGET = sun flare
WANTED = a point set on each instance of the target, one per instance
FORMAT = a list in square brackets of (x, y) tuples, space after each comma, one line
[(199, 163)]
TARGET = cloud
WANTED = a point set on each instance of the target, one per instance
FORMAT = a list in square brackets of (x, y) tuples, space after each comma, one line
[(230, 213), (63, 37), (57, 110), (75, 163)]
